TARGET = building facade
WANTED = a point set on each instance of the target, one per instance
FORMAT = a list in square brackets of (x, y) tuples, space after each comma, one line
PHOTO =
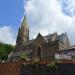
[(42, 47), (66, 54)]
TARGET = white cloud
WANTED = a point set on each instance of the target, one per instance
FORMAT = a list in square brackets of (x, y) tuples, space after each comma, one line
[(46, 16), (6, 35), (68, 7)]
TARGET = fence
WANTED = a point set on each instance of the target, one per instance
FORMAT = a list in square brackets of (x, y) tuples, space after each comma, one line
[(10, 68), (29, 68)]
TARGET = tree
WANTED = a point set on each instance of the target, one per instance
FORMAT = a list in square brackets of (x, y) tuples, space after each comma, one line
[(5, 49)]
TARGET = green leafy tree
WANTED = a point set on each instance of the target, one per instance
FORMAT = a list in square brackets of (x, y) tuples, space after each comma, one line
[(5, 49)]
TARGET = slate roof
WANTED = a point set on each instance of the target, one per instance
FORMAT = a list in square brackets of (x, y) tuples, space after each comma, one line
[(48, 37), (17, 54), (29, 42)]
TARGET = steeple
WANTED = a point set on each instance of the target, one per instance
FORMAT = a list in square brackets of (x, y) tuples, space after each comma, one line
[(23, 33)]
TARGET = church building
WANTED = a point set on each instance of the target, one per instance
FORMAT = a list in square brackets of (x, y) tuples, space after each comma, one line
[(42, 47)]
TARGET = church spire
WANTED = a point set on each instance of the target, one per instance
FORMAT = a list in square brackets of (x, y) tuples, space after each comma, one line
[(23, 33)]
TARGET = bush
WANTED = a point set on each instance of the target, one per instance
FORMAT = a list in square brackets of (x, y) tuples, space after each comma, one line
[(35, 61), (23, 56), (52, 64)]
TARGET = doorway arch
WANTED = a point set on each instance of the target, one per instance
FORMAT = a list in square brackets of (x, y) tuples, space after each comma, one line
[(39, 52)]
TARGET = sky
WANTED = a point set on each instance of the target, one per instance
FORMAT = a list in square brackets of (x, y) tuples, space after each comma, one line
[(44, 16)]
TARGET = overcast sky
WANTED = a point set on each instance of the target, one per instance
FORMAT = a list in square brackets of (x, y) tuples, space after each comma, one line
[(44, 16)]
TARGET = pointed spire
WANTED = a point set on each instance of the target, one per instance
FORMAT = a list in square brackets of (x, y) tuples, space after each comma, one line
[(25, 22), (23, 32)]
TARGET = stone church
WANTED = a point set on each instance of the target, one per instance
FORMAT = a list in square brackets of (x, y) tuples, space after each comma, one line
[(42, 47)]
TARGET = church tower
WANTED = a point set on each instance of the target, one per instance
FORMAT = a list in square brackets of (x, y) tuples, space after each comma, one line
[(23, 33)]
